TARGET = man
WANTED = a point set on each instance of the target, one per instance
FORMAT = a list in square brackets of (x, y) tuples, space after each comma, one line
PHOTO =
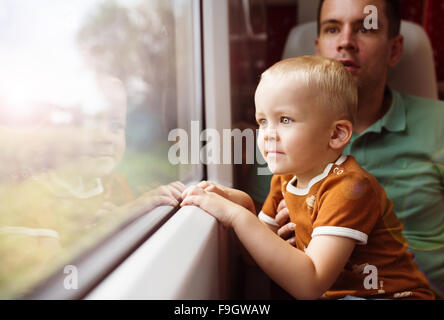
[(398, 138)]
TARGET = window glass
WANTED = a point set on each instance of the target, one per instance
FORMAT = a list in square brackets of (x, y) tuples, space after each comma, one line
[(89, 91), (258, 34)]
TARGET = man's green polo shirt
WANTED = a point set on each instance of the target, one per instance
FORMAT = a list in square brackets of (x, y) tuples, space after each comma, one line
[(404, 150)]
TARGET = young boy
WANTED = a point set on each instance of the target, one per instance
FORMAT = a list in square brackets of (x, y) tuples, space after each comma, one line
[(348, 239)]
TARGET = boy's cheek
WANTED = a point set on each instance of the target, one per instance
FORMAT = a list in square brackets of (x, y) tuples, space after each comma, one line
[(272, 167), (261, 142)]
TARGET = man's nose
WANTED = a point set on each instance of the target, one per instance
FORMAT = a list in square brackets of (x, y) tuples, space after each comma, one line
[(347, 40)]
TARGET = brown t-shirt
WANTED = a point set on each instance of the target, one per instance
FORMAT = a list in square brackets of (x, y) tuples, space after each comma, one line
[(347, 201)]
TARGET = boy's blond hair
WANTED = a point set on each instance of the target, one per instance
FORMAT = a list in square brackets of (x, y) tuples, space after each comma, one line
[(334, 85)]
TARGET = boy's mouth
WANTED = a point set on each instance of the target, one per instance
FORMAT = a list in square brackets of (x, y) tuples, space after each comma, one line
[(274, 153), (102, 154)]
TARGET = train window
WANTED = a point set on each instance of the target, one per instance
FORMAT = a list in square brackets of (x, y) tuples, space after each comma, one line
[(89, 92)]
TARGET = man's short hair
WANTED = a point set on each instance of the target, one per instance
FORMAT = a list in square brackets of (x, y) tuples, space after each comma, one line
[(336, 90), (393, 13)]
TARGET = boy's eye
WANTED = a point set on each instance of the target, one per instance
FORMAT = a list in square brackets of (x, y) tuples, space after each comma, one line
[(261, 122), (285, 120), (116, 126)]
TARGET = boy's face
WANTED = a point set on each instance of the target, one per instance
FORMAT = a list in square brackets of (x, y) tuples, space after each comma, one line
[(108, 143), (105, 139), (294, 133)]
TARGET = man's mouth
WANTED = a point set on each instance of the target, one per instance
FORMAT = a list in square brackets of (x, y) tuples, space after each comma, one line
[(350, 65)]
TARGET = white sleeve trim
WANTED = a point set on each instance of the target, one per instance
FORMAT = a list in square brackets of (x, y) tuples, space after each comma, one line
[(8, 230), (267, 219), (359, 236)]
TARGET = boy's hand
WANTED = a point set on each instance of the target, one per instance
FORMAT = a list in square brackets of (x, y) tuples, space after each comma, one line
[(213, 203), (286, 230), (166, 195), (169, 194), (210, 187), (234, 195)]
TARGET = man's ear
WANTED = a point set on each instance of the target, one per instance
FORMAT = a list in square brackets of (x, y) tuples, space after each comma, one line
[(396, 47), (341, 134), (317, 46)]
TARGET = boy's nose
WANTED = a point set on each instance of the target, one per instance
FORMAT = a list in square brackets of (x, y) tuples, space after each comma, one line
[(271, 134), (102, 131)]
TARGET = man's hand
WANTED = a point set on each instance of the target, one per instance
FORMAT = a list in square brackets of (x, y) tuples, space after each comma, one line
[(286, 230)]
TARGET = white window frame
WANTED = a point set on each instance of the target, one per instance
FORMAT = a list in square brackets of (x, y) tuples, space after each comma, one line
[(188, 257)]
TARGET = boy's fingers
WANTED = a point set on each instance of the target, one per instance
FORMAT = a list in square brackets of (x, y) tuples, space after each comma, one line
[(167, 201), (195, 189), (190, 201), (164, 190), (163, 200), (175, 192), (186, 192), (179, 186), (209, 186), (203, 184), (191, 191), (217, 190)]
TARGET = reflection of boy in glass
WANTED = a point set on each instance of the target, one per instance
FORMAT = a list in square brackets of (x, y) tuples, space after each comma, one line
[(78, 198), (97, 143), (90, 174)]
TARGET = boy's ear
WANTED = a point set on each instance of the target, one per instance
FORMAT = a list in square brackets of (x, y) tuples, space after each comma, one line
[(341, 134)]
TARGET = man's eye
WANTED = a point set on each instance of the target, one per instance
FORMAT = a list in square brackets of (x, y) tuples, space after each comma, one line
[(285, 120), (330, 30)]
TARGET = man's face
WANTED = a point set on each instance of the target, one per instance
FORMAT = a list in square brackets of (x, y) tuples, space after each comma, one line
[(366, 53)]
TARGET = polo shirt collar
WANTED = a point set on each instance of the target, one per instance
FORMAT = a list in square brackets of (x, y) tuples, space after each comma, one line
[(395, 119), (304, 191)]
